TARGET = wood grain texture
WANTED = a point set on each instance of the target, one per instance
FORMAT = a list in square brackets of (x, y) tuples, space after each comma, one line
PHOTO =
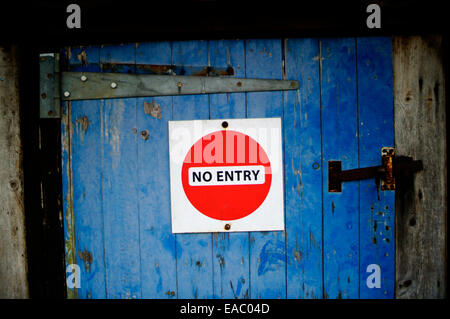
[(420, 132), (85, 121), (230, 250), (194, 251), (158, 270), (375, 130), (303, 171), (339, 142), (85, 233), (267, 249), (119, 186), (13, 262)]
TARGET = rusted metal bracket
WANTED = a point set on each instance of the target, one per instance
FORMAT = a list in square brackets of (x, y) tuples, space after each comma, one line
[(391, 168), (164, 69), (93, 85)]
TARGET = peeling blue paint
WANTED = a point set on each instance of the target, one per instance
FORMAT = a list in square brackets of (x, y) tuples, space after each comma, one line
[(271, 257), (239, 286)]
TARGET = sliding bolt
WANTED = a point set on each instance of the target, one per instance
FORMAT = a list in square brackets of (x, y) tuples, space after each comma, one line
[(83, 78)]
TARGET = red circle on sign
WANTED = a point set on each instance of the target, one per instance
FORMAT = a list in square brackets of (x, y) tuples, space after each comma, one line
[(211, 179)]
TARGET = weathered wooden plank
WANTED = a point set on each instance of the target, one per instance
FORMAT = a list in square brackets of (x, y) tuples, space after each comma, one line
[(119, 186), (87, 197), (230, 250), (67, 193), (13, 259), (420, 132), (376, 123), (83, 216), (303, 171), (158, 257), (194, 251), (339, 142), (267, 249)]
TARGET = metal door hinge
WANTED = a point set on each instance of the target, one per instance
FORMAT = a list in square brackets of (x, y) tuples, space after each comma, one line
[(93, 85), (49, 99), (391, 168), (151, 80)]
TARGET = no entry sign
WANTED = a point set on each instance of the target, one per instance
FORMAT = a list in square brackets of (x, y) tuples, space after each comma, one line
[(226, 175)]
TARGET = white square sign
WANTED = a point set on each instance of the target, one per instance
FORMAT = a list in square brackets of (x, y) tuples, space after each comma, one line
[(226, 175)]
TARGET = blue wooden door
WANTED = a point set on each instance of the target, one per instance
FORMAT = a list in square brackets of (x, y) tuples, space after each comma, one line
[(116, 175)]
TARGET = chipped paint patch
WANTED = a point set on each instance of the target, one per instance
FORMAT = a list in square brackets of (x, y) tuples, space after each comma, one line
[(84, 121), (112, 117), (153, 109), (221, 261), (82, 57), (271, 256), (145, 135), (81, 126), (86, 257), (68, 53)]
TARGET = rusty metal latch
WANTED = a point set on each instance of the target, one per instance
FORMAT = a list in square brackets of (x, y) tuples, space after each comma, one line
[(391, 168)]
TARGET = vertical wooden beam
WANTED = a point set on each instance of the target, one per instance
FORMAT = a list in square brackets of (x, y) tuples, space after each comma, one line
[(158, 270), (375, 130), (339, 142), (420, 132), (81, 180), (263, 59), (230, 250), (194, 251), (121, 210), (13, 262), (303, 171)]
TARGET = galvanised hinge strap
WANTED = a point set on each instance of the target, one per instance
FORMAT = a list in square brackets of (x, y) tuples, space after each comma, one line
[(49, 100), (92, 85)]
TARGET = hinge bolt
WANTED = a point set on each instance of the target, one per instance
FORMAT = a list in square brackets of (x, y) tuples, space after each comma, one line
[(83, 78), (113, 85), (66, 93)]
